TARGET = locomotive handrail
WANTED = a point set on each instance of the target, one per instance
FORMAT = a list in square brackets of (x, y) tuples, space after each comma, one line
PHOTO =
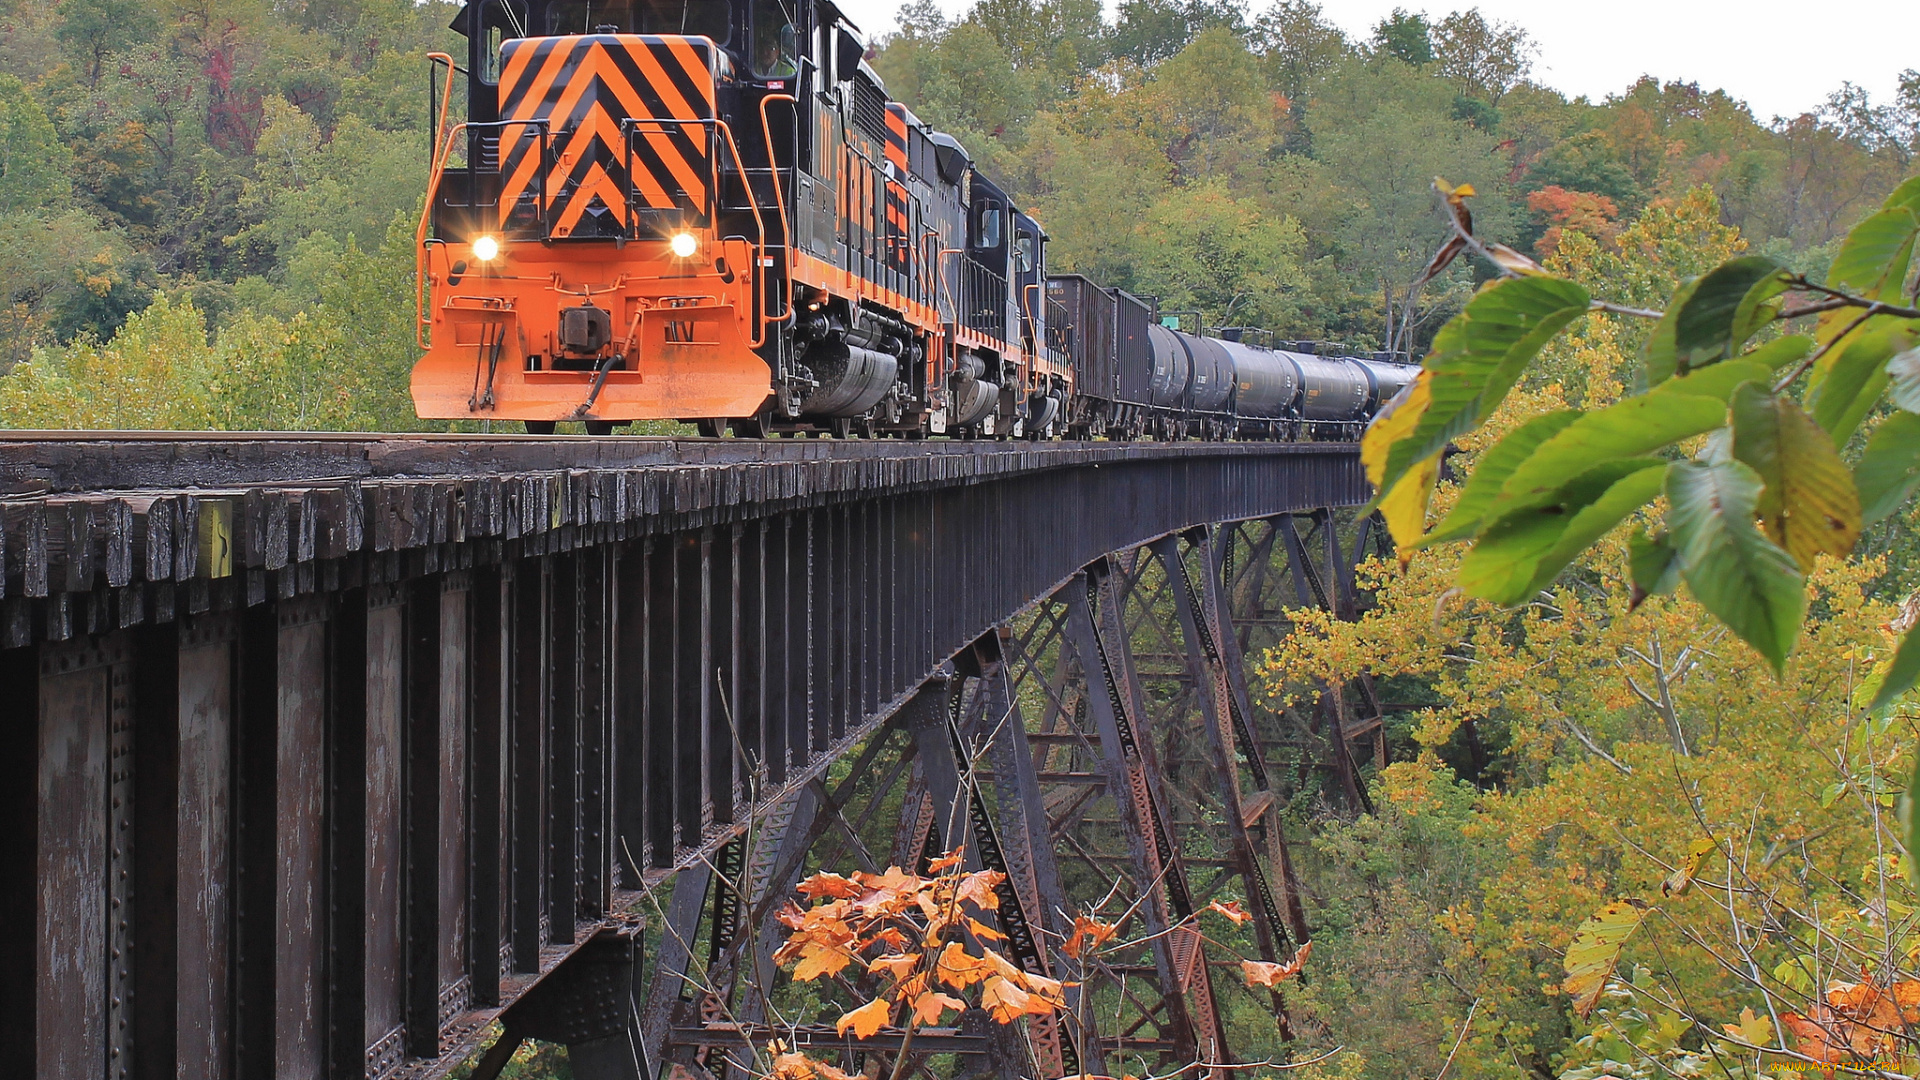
[(1032, 329), (437, 110), (422, 283), (715, 128), (779, 196), (436, 165)]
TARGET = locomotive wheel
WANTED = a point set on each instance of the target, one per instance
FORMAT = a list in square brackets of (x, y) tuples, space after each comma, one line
[(709, 428), (600, 428), (540, 427), (752, 427), (841, 427)]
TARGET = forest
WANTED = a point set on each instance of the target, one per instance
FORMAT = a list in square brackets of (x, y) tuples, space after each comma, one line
[(206, 221)]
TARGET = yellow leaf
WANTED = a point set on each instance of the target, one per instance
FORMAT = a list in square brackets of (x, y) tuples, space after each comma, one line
[(930, 1006), (1596, 949), (1753, 1030), (865, 1020), (1405, 507), (1681, 880), (1396, 420)]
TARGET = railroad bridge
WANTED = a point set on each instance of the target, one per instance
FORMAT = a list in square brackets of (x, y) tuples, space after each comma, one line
[(336, 756)]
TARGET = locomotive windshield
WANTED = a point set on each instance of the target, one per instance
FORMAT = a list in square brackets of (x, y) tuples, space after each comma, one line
[(696, 17), (773, 40)]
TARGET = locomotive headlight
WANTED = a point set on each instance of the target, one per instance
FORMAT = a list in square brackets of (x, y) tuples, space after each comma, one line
[(486, 249), (683, 245)]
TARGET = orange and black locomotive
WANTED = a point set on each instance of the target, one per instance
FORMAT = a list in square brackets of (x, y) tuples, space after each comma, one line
[(708, 210)]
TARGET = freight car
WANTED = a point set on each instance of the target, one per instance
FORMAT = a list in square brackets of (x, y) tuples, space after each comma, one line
[(709, 210)]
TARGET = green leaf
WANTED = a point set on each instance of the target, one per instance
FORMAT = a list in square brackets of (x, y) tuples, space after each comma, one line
[(1781, 351), (1521, 553), (1889, 470), (1713, 315), (1875, 254), (1676, 409), (1495, 464), (1653, 564), (1730, 302), (1904, 372), (1658, 355), (1900, 677), (1847, 381), (1743, 578), (1478, 356), (1809, 504)]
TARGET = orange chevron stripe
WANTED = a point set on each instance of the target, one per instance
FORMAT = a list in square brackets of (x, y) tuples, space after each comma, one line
[(596, 125), (696, 68), (684, 174), (596, 63), (524, 167), (597, 182), (662, 83), (530, 102)]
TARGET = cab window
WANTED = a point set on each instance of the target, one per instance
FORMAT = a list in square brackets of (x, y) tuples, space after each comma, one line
[(1023, 252), (986, 226), (706, 18), (499, 20), (774, 42)]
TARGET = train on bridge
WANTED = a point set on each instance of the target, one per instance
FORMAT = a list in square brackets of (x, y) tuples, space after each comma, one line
[(709, 210)]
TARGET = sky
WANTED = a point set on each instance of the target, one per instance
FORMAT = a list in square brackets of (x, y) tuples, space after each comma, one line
[(1781, 58)]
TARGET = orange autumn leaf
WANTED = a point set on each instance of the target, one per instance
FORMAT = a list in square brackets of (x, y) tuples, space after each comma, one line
[(1088, 933), (978, 888), (898, 965), (866, 1020), (825, 884), (948, 861), (960, 969), (1050, 990), (828, 1071), (1004, 1000), (817, 960), (791, 1066), (1856, 1020), (1265, 973), (1231, 910), (986, 933), (931, 1005)]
